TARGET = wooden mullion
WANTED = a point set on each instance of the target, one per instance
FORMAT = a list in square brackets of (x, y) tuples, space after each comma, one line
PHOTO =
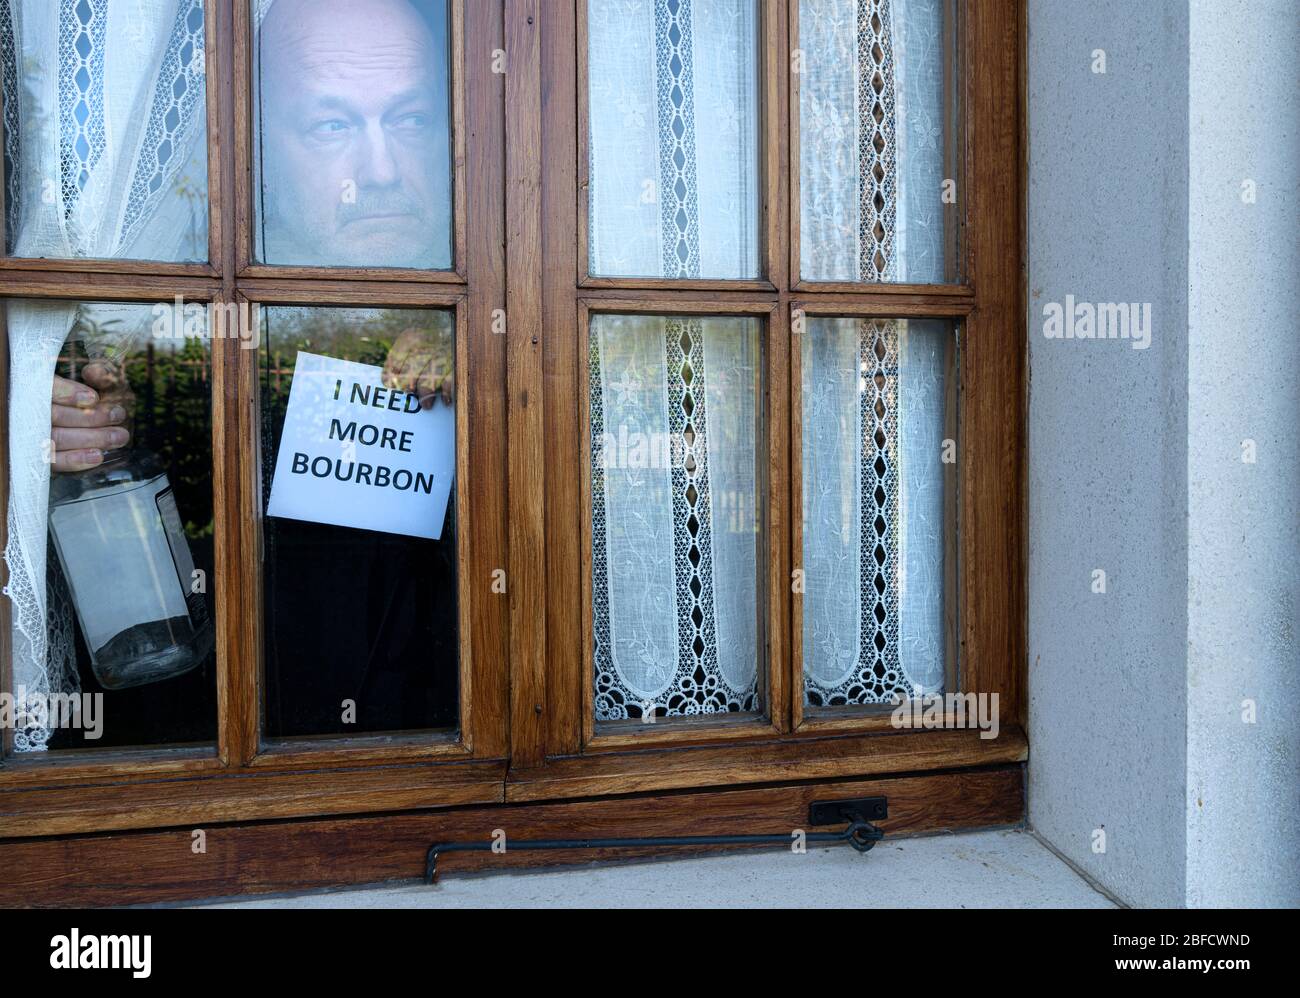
[(991, 457), (216, 26), (237, 486), (485, 615), (775, 434), (563, 204), (526, 577), (798, 329)]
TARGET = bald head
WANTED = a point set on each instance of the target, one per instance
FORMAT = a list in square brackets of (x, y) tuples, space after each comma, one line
[(344, 40), (355, 149)]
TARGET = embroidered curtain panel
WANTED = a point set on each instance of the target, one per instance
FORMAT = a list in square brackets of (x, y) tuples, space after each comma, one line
[(104, 154), (674, 409), (674, 192), (673, 106), (873, 508), (872, 117)]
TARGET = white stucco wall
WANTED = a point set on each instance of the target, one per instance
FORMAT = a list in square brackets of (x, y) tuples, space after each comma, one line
[(1243, 601), (1134, 455)]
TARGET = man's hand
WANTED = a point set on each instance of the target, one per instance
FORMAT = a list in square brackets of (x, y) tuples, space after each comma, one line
[(415, 364), (87, 418)]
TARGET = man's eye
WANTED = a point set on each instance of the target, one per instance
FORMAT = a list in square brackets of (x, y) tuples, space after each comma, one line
[(413, 122), (328, 129)]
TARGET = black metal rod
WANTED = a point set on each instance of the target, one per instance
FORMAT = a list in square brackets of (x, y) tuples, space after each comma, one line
[(862, 835)]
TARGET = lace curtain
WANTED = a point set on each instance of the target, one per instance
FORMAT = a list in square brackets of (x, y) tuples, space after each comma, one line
[(673, 400), (871, 175), (873, 508), (871, 140), (104, 157), (674, 514), (673, 193), (673, 99)]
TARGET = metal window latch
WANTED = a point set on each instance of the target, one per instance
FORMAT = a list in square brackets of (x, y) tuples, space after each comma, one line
[(859, 813)]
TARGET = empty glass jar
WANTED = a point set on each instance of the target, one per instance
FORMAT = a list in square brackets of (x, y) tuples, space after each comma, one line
[(123, 550)]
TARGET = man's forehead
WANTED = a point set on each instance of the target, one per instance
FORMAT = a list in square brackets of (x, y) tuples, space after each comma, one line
[(361, 37)]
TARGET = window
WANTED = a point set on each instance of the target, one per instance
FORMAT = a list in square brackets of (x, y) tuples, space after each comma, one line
[(711, 306), (879, 135), (877, 523), (675, 514), (385, 658), (674, 139), (353, 141)]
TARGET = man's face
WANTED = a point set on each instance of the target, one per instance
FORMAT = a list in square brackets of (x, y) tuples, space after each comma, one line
[(354, 136)]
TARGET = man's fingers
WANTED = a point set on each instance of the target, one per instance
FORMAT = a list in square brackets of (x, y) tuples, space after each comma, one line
[(103, 376), (72, 393), (107, 414), (107, 438), (66, 461), (432, 384)]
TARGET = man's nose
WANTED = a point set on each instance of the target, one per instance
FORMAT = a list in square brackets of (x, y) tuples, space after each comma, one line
[(377, 167)]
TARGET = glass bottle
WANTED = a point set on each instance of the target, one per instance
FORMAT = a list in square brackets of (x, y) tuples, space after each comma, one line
[(124, 553)]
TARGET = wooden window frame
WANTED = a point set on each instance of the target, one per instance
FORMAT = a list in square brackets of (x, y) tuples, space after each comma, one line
[(986, 306), (245, 776), (519, 147)]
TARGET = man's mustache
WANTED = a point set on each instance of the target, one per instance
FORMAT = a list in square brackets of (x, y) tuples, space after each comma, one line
[(396, 202)]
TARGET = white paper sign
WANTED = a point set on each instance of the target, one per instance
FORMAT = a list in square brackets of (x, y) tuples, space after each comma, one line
[(357, 454)]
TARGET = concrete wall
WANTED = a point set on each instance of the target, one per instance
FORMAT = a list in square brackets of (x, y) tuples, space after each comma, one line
[(1243, 601), (1134, 455), (1108, 442)]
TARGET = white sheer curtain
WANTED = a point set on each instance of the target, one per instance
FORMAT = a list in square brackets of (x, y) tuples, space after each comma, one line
[(871, 140), (674, 513), (873, 507), (673, 99), (871, 163), (104, 147), (673, 404), (674, 193)]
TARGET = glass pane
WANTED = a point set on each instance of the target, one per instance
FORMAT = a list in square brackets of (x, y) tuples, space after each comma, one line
[(877, 141), (111, 509), (105, 129), (352, 133), (878, 507), (673, 106), (676, 455), (360, 569)]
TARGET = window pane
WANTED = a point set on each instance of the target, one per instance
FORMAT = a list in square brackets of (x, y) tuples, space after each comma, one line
[(877, 141), (877, 508), (675, 459), (353, 133), (111, 551), (673, 103), (360, 561), (105, 135)]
